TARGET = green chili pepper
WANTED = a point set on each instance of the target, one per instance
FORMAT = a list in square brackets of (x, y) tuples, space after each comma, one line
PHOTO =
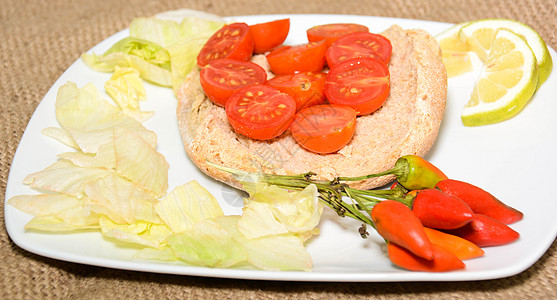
[(411, 171)]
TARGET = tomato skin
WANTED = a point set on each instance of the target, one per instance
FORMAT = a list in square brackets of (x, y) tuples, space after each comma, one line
[(308, 57), (269, 35), (232, 41), (260, 112), (324, 128), (221, 77), (359, 44), (331, 32), (306, 88), (361, 83)]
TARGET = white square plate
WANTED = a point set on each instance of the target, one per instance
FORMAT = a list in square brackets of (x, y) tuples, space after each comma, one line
[(514, 160)]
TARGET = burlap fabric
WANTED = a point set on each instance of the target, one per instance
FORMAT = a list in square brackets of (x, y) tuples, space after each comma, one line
[(40, 39)]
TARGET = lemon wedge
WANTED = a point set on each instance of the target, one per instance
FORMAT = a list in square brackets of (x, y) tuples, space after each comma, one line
[(508, 79), (479, 35), (456, 54)]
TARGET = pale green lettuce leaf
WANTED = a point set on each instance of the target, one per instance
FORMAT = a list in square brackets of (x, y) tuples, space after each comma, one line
[(149, 58), (57, 224), (171, 27), (104, 158), (207, 243), (184, 58), (62, 135), (139, 162), (64, 177), (90, 120), (283, 252), (187, 205), (140, 232), (127, 90), (281, 210), (121, 200)]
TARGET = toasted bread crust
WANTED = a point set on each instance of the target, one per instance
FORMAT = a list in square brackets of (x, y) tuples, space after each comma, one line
[(407, 123)]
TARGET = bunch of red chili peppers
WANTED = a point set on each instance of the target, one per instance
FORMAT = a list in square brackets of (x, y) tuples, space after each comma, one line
[(430, 222)]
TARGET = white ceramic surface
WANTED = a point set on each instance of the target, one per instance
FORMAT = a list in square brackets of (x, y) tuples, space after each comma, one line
[(514, 160)]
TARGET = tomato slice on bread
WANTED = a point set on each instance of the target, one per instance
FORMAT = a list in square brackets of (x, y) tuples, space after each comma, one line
[(324, 128), (306, 88), (361, 83), (331, 32), (232, 41), (308, 57), (221, 77), (260, 112), (359, 44), (269, 35)]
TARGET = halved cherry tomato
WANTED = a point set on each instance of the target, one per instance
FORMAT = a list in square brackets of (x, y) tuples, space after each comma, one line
[(359, 44), (260, 112), (324, 128), (221, 77), (269, 35), (308, 57), (331, 32), (361, 83), (306, 88), (233, 41)]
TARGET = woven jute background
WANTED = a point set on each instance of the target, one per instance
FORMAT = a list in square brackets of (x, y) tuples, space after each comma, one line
[(40, 39)]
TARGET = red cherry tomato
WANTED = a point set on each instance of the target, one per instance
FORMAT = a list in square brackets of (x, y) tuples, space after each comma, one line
[(308, 57), (361, 83), (324, 128), (331, 32), (233, 41), (221, 77), (269, 35), (359, 44), (260, 112), (305, 88)]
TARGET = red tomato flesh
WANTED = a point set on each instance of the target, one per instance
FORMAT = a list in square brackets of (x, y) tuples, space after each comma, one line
[(260, 112), (331, 32), (308, 57), (361, 83), (233, 41), (306, 88), (324, 128), (359, 44), (221, 77), (269, 35)]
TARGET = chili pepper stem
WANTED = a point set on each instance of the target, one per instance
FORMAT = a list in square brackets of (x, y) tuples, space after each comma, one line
[(398, 169)]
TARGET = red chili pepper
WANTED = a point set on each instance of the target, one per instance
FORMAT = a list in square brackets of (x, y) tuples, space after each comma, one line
[(462, 248), (480, 201), (485, 232), (443, 260), (437, 209), (396, 223)]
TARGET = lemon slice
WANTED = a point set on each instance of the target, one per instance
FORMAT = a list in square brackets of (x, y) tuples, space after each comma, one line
[(507, 80), (456, 54), (480, 36)]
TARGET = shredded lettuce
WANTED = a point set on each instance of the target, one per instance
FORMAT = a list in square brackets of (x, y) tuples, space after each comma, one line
[(187, 205), (139, 233), (127, 90)]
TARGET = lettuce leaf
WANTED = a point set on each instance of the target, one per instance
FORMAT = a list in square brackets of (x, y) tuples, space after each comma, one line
[(187, 205), (127, 90), (150, 59), (90, 120), (120, 200), (139, 233), (171, 27), (273, 210)]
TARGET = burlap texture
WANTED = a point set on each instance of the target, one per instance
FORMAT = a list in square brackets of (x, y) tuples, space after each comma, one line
[(40, 39)]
